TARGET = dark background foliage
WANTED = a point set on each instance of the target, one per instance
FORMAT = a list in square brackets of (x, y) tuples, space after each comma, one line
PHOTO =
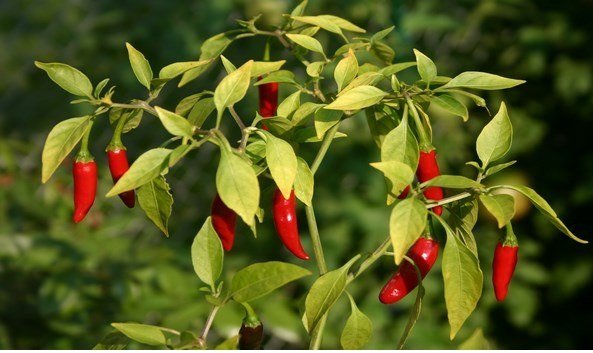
[(61, 285)]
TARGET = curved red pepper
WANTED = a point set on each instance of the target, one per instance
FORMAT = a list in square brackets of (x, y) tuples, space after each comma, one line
[(503, 267), (268, 99), (118, 165), (285, 221), (424, 253), (85, 188), (223, 220), (428, 168)]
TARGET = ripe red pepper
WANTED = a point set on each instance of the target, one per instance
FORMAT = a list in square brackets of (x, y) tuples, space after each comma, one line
[(503, 267), (285, 221), (424, 253), (268, 99), (404, 193), (428, 168), (118, 165), (84, 173), (223, 220)]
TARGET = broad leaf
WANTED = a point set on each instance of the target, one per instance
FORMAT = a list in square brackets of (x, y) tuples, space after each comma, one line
[(397, 173), (343, 24), (207, 254), (175, 124), (357, 98), (426, 68), (358, 329), (366, 79), (406, 225), (156, 200), (320, 21), (395, 68), (495, 139), (481, 80), (346, 70), (173, 70), (501, 206), (259, 279), (69, 78), (260, 68), (452, 182), (282, 163), (325, 120), (60, 142), (201, 111), (304, 182), (133, 117), (147, 334), (147, 167), (451, 105), (140, 66), (476, 341), (232, 88), (307, 42), (289, 105), (400, 145)]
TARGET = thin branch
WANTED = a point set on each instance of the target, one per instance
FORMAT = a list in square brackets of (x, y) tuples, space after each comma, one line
[(208, 325)]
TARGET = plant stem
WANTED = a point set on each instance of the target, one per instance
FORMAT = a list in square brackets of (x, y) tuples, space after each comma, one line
[(208, 324), (425, 143), (237, 118), (327, 140), (316, 240), (447, 200), (318, 333), (376, 255)]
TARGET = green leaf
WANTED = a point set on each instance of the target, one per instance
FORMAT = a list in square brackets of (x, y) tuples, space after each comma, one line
[(260, 68), (282, 163), (156, 200), (259, 279), (60, 142), (67, 77), (497, 168), (147, 167), (230, 343), (343, 24), (426, 68), (306, 109), (496, 138), (481, 80), (397, 173), (299, 9), (325, 292), (186, 104), (306, 42), (228, 66), (215, 45), (232, 88), (415, 313), (383, 52), (173, 70), (133, 117), (381, 34), (325, 120), (501, 206), (346, 70), (309, 135), (463, 281), (280, 76), (545, 208), (315, 68), (140, 66), (395, 68), (320, 21), (207, 254), (451, 105), (452, 182), (464, 215), (357, 98), (237, 185), (479, 101), (366, 79), (304, 182), (201, 111), (400, 145), (358, 329), (289, 105), (476, 341), (147, 334), (114, 340), (175, 124), (406, 225), (99, 88)]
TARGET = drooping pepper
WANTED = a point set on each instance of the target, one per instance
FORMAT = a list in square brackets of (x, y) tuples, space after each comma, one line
[(503, 265), (251, 333), (428, 168), (223, 220), (424, 254), (84, 172), (118, 165), (285, 222), (268, 100)]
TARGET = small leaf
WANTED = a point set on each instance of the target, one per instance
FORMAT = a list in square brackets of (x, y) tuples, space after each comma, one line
[(156, 200), (133, 118), (325, 120), (207, 254), (259, 279), (289, 105), (481, 80), (260, 68), (280, 76), (173, 70), (476, 341), (325, 292), (358, 329), (357, 98), (452, 182), (406, 225), (186, 104), (282, 163), (501, 206), (304, 182), (451, 105), (175, 124), (60, 142), (400, 145), (382, 34), (397, 173), (343, 24), (306, 42), (346, 70), (314, 69), (201, 111), (237, 185), (320, 21), (305, 110), (426, 68), (147, 167), (140, 66), (495, 139), (233, 87), (228, 66), (395, 68), (497, 168), (69, 78), (366, 79), (147, 334)]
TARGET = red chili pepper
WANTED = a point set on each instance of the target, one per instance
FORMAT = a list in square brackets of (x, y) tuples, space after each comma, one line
[(285, 221), (424, 253), (503, 267), (118, 165), (428, 168), (404, 193), (85, 187), (268, 100), (223, 220)]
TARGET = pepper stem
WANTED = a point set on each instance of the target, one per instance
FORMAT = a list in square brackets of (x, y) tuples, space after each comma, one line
[(116, 142), (425, 143), (84, 155), (251, 319), (509, 239)]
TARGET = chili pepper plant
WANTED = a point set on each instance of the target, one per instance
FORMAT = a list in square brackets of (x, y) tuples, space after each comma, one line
[(431, 214)]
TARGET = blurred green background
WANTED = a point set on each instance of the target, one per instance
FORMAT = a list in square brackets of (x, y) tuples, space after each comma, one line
[(61, 285)]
